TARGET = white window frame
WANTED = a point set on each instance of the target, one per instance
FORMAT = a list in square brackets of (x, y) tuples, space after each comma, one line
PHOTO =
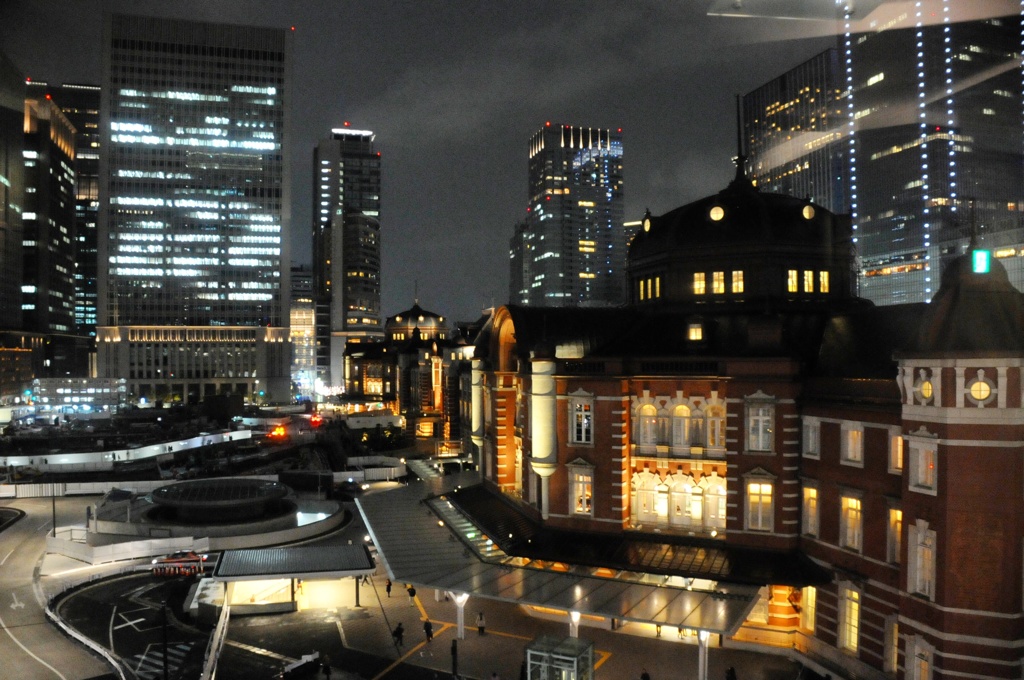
[(921, 559), (980, 378), (851, 520), (581, 421), (891, 645), (759, 516), (760, 426), (920, 659), (681, 427), (923, 464), (714, 426), (716, 498), (812, 438), (647, 426), (897, 450), (852, 444), (808, 607), (848, 633), (894, 534), (811, 509), (581, 489)]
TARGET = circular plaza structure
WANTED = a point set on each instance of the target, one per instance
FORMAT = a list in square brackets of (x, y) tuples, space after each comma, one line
[(227, 500)]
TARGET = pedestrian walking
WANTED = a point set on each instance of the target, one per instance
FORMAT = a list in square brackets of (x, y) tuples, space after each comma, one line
[(644, 675), (428, 630), (398, 633), (730, 674), (481, 623), (325, 666), (494, 676), (412, 596), (387, 587)]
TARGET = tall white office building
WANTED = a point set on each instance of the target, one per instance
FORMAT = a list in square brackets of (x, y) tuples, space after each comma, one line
[(194, 206)]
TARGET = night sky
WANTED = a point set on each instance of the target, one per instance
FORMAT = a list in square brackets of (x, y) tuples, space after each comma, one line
[(453, 91)]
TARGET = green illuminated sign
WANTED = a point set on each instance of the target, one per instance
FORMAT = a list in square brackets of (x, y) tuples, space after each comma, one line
[(982, 261)]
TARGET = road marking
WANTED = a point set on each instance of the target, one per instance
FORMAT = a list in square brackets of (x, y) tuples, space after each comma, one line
[(110, 631), (26, 650), (16, 604), (44, 524), (5, 558), (341, 633), (128, 623)]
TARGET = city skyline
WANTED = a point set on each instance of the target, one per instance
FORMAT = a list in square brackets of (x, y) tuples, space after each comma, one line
[(667, 76)]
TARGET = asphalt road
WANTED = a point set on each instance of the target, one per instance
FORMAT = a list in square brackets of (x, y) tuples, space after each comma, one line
[(30, 646)]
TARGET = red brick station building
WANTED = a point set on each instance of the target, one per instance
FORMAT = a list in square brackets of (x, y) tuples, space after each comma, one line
[(747, 419)]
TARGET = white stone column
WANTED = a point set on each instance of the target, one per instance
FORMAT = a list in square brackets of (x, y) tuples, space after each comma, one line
[(460, 614), (543, 426), (702, 654), (477, 392)]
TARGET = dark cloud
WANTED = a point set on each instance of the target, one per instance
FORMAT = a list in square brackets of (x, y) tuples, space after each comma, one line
[(453, 91)]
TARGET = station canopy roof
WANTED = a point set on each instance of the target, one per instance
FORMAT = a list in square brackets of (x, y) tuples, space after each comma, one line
[(305, 562), (425, 539)]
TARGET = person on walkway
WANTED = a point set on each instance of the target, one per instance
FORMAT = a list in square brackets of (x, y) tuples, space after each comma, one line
[(325, 666), (494, 676), (730, 674), (412, 596), (644, 675), (398, 633), (481, 623), (387, 587), (428, 630)]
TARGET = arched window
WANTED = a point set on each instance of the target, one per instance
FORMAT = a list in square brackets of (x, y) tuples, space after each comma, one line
[(682, 492), (681, 428), (714, 503), (648, 425), (645, 491)]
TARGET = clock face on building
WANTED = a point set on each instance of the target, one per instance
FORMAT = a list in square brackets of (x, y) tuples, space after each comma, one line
[(717, 213), (647, 224)]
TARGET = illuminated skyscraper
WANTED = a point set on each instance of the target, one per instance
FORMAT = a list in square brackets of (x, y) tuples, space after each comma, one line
[(81, 105), (928, 149), (12, 191), (572, 251), (48, 239), (791, 125), (346, 247), (194, 196)]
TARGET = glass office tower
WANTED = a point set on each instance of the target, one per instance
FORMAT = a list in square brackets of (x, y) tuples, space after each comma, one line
[(193, 289), (794, 127), (12, 191), (81, 105), (346, 248), (936, 110), (927, 153), (572, 251)]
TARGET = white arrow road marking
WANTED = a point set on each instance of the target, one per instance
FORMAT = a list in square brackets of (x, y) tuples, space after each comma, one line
[(16, 604)]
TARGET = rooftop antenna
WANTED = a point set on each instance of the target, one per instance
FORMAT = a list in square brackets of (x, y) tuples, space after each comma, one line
[(416, 291)]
